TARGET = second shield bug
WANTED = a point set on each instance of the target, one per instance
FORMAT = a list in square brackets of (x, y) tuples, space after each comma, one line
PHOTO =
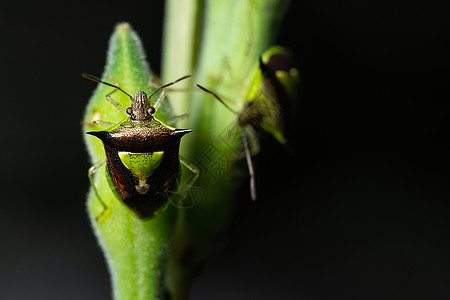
[(268, 104)]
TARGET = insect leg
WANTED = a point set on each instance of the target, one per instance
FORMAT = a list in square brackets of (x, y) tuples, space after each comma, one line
[(115, 103), (249, 164), (100, 123), (191, 167), (91, 171), (185, 186), (160, 99), (176, 119)]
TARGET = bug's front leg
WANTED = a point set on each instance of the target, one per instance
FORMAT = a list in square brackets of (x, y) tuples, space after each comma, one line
[(115, 103)]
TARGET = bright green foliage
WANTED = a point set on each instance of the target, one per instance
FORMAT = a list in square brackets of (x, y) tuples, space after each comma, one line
[(233, 36), (135, 249)]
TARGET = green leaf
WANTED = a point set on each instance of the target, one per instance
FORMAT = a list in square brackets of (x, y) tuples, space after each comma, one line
[(135, 250)]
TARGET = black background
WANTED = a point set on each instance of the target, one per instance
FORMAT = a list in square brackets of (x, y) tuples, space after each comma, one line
[(359, 212)]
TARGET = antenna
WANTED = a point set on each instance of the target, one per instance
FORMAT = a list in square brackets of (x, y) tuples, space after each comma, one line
[(96, 79), (218, 98), (168, 84)]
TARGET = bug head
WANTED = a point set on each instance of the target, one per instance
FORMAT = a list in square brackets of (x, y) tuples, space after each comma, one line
[(140, 108)]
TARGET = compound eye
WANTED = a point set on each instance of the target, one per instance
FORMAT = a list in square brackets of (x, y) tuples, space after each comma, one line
[(129, 111), (151, 110)]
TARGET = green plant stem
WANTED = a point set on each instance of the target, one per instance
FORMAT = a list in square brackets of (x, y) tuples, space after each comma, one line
[(180, 37), (232, 35)]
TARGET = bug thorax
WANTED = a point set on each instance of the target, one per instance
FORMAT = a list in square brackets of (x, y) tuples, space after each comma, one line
[(140, 108)]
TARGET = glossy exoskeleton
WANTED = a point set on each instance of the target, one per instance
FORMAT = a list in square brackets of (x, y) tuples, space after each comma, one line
[(142, 156)]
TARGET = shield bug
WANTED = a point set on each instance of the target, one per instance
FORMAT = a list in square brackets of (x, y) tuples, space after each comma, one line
[(269, 101), (142, 154)]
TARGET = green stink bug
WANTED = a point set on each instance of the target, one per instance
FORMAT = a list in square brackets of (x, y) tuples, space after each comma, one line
[(142, 154), (269, 101)]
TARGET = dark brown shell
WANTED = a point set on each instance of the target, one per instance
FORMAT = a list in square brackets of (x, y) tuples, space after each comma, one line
[(143, 137)]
